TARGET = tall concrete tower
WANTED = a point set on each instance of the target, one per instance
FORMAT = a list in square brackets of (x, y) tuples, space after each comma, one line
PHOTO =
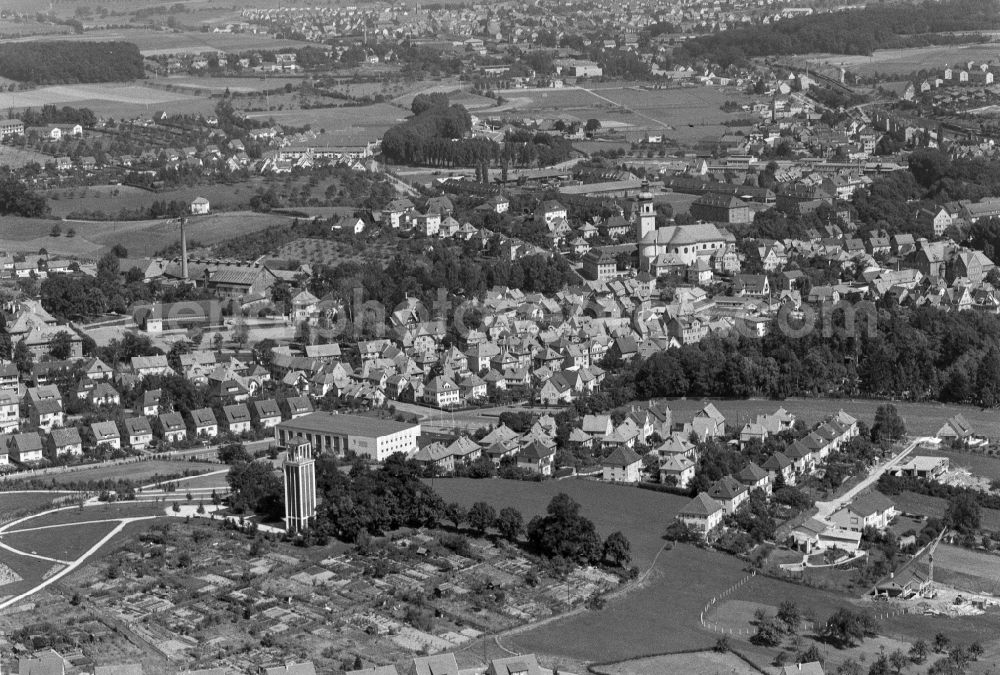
[(300, 485), (646, 223)]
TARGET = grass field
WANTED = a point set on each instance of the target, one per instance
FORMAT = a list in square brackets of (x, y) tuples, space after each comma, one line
[(905, 61), (684, 114), (111, 199), (99, 512), (343, 125), (641, 515), (63, 543), (658, 618), (695, 663), (136, 471), (967, 570), (218, 85), (74, 94), (140, 238), (935, 507), (922, 419), (18, 157), (155, 42), (12, 503)]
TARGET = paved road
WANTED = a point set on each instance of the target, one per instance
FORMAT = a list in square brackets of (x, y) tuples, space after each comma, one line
[(827, 509)]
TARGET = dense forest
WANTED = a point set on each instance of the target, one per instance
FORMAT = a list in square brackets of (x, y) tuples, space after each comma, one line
[(65, 62), (849, 32)]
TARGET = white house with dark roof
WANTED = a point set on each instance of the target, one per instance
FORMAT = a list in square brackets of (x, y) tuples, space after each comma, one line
[(204, 423), (139, 433), (623, 465), (730, 493), (872, 509), (106, 433), (702, 513), (172, 427)]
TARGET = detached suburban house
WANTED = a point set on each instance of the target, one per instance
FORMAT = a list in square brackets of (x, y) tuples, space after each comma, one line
[(873, 509), (172, 427), (730, 493), (64, 442), (266, 413), (204, 423), (106, 432), (623, 465), (237, 418), (702, 513), (140, 434), (536, 458), (25, 447)]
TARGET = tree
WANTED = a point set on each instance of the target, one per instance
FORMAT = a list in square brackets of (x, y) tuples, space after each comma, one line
[(918, 652), (56, 231), (721, 645), (564, 533), (618, 550), (963, 513), (61, 345), (888, 424), (845, 627), (509, 523), (456, 513), (481, 516), (592, 125), (255, 488), (23, 358), (769, 632), (234, 453), (898, 661), (176, 507), (788, 613), (941, 643), (880, 666)]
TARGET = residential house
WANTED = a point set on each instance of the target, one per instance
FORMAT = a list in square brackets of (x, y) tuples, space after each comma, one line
[(730, 493), (677, 470), (139, 433), (10, 418), (872, 509), (62, 442), (26, 447), (172, 427), (297, 406), (203, 423), (46, 413), (702, 514), (537, 458), (106, 433), (266, 413), (623, 465)]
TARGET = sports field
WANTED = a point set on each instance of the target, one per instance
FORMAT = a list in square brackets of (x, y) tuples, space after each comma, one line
[(135, 471)]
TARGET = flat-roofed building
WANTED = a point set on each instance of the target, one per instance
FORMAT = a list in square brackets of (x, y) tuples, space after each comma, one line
[(368, 437)]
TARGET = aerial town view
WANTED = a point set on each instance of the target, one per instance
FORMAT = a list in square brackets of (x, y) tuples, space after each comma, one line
[(525, 337)]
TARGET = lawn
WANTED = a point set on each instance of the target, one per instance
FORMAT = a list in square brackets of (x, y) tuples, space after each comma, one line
[(63, 543), (12, 503), (642, 515), (115, 510), (694, 663), (922, 419), (111, 199), (973, 571), (134, 471)]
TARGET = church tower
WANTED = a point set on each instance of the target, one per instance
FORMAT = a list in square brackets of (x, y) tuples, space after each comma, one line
[(300, 485), (646, 223)]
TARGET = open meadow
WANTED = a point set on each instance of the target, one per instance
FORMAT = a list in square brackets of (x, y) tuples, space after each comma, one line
[(684, 114), (80, 95), (345, 125), (641, 515), (906, 61), (139, 237), (967, 570), (694, 663), (935, 507)]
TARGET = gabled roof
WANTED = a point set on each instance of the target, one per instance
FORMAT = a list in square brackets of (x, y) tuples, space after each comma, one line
[(702, 505), (726, 488), (871, 503), (203, 417)]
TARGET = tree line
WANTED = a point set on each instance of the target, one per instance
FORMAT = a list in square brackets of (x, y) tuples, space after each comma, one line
[(67, 62), (881, 26)]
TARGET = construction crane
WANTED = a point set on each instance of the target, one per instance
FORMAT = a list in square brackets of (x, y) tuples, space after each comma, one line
[(928, 591)]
